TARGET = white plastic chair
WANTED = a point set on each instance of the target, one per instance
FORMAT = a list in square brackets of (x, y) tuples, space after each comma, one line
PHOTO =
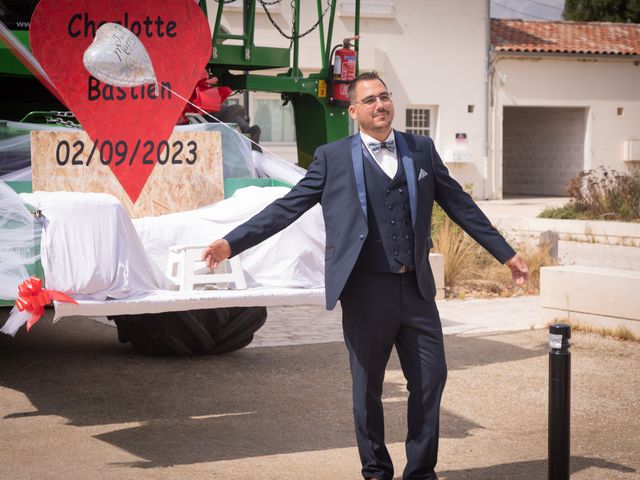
[(188, 272)]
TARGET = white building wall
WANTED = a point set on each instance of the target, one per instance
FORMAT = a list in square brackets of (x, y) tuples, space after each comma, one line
[(429, 52), (601, 85)]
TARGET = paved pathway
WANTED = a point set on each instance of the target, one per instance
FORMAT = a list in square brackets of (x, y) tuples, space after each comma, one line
[(520, 207), (308, 324), (298, 325)]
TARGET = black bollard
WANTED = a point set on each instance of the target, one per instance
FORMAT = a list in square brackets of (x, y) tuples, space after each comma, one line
[(559, 401)]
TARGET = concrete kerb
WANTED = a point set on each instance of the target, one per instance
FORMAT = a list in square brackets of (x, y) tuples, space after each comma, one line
[(603, 297), (590, 231), (596, 280)]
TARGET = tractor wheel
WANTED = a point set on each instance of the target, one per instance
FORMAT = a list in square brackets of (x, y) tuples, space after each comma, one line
[(193, 332)]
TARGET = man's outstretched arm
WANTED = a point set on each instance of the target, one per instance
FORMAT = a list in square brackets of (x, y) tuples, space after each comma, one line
[(273, 218), (461, 208)]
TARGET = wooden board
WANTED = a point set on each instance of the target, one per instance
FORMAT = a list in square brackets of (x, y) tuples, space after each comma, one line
[(188, 176)]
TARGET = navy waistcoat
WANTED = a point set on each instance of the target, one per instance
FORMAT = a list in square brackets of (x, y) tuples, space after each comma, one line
[(390, 242)]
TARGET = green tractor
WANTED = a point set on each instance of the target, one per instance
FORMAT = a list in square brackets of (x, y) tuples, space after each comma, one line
[(238, 63)]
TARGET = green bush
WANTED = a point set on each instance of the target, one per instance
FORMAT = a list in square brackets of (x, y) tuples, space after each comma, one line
[(602, 194), (568, 211)]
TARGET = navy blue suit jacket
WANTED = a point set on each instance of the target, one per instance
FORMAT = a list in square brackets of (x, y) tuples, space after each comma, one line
[(335, 179)]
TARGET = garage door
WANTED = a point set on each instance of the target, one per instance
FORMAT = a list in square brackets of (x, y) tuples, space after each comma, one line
[(543, 148)]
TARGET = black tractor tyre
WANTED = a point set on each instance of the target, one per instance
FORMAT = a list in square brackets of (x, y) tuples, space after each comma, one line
[(193, 332)]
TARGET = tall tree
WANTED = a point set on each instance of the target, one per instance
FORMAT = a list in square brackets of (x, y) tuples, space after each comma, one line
[(626, 11)]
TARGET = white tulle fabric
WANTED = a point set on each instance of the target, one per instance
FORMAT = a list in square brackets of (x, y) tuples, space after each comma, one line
[(270, 166), (94, 252), (18, 248), (17, 243)]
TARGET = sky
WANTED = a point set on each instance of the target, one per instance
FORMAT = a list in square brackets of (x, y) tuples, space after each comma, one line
[(527, 9)]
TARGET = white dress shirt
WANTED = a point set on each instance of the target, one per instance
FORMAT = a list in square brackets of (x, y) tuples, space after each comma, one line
[(387, 160)]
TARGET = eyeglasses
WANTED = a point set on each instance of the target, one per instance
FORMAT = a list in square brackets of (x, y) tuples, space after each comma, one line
[(371, 100)]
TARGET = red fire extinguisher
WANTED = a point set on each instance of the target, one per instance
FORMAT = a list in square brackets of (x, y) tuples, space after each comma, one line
[(343, 72)]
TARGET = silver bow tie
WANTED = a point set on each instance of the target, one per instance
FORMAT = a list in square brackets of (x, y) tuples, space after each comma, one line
[(376, 146)]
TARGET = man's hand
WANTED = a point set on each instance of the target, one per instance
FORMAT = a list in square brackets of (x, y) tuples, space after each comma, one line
[(216, 252), (519, 270)]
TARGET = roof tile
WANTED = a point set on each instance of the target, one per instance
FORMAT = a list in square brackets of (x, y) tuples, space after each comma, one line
[(603, 38)]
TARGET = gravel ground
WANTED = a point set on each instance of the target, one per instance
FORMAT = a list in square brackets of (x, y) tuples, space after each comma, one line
[(76, 404)]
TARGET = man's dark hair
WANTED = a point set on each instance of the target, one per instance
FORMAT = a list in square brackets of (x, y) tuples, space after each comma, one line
[(372, 75)]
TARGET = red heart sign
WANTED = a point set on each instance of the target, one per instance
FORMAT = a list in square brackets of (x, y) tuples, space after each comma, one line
[(128, 125)]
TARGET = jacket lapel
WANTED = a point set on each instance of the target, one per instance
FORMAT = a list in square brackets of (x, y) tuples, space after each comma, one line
[(409, 171), (358, 170)]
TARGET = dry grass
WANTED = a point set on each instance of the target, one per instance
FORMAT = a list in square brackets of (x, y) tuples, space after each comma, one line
[(469, 270), (458, 250), (620, 332)]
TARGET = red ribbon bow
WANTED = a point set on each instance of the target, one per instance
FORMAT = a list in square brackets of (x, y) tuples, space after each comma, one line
[(32, 298)]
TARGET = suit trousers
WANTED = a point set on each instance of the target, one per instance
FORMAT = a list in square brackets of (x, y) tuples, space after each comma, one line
[(380, 310)]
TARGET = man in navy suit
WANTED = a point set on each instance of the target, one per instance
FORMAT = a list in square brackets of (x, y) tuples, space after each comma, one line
[(377, 190)]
